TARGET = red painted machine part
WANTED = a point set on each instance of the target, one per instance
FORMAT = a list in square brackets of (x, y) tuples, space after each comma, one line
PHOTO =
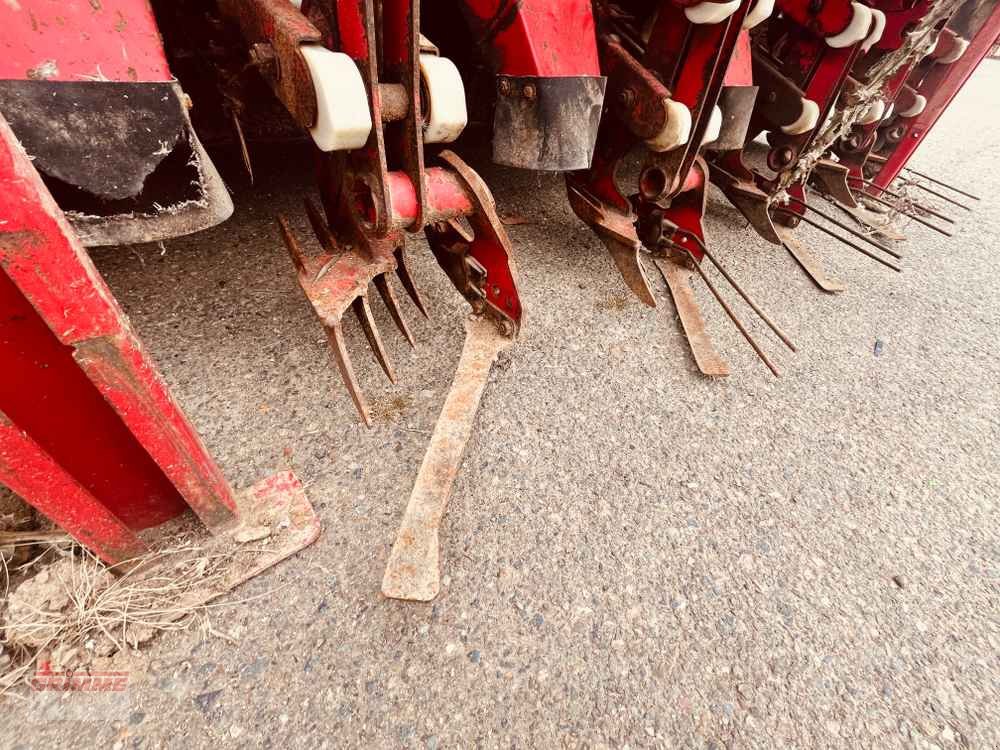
[(537, 37), (940, 87), (81, 40)]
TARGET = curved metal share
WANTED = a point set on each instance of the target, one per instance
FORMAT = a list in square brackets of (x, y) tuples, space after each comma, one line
[(413, 569), (831, 178), (809, 262), (708, 359)]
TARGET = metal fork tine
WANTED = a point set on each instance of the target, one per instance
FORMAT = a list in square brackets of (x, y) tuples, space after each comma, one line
[(364, 313), (291, 243), (320, 227), (389, 298), (403, 272), (335, 335)]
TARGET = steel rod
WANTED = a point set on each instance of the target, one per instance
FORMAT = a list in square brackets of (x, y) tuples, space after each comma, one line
[(912, 216), (753, 305), (936, 193), (942, 184), (846, 228), (860, 249), (732, 315), (912, 202)]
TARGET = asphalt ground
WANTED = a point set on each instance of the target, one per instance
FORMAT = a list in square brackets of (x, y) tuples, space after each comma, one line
[(634, 555)]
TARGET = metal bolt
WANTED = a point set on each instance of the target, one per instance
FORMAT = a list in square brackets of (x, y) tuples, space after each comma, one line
[(504, 86), (529, 91), (626, 97)]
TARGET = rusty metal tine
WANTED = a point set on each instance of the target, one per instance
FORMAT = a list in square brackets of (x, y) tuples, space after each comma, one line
[(292, 244), (849, 230), (833, 234), (942, 196), (403, 272), (897, 196), (243, 145), (364, 313), (942, 184), (893, 206), (389, 298), (319, 225), (335, 335), (746, 297), (732, 315)]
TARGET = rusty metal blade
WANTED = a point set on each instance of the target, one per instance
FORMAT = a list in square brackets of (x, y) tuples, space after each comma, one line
[(319, 226), (809, 262), (364, 315), (335, 335), (413, 569), (389, 298), (709, 361), (403, 272), (626, 258)]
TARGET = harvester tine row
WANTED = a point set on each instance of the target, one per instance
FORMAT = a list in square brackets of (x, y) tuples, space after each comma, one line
[(905, 199), (708, 359), (895, 207), (389, 298), (942, 184), (809, 263)]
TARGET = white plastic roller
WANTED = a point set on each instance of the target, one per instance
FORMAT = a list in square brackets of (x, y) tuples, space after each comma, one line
[(919, 103), (857, 29), (806, 121), (343, 119), (874, 112), (446, 114), (878, 28), (708, 12), (759, 13), (714, 126), (956, 52), (677, 130)]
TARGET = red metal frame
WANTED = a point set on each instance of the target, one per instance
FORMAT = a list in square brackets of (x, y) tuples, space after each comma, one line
[(88, 421)]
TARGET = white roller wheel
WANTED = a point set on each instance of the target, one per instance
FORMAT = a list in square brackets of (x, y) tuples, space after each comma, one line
[(874, 112), (714, 126), (446, 115), (888, 111), (708, 12), (957, 51), (919, 102), (807, 120), (677, 130), (296, 3), (343, 119), (857, 29), (878, 28), (759, 13)]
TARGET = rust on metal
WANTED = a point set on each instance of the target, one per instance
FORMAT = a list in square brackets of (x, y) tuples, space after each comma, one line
[(809, 262), (709, 361), (413, 569)]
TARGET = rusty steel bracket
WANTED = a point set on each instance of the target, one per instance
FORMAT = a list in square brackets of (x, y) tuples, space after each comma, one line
[(706, 356), (413, 569), (275, 30)]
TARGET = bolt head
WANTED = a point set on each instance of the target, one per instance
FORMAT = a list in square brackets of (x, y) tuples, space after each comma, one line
[(504, 86), (529, 91)]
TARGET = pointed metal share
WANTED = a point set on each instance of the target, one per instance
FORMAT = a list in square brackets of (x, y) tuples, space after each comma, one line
[(626, 258), (942, 184), (809, 262), (709, 361), (403, 272), (319, 226), (364, 315), (335, 335), (732, 316), (292, 244), (389, 298)]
